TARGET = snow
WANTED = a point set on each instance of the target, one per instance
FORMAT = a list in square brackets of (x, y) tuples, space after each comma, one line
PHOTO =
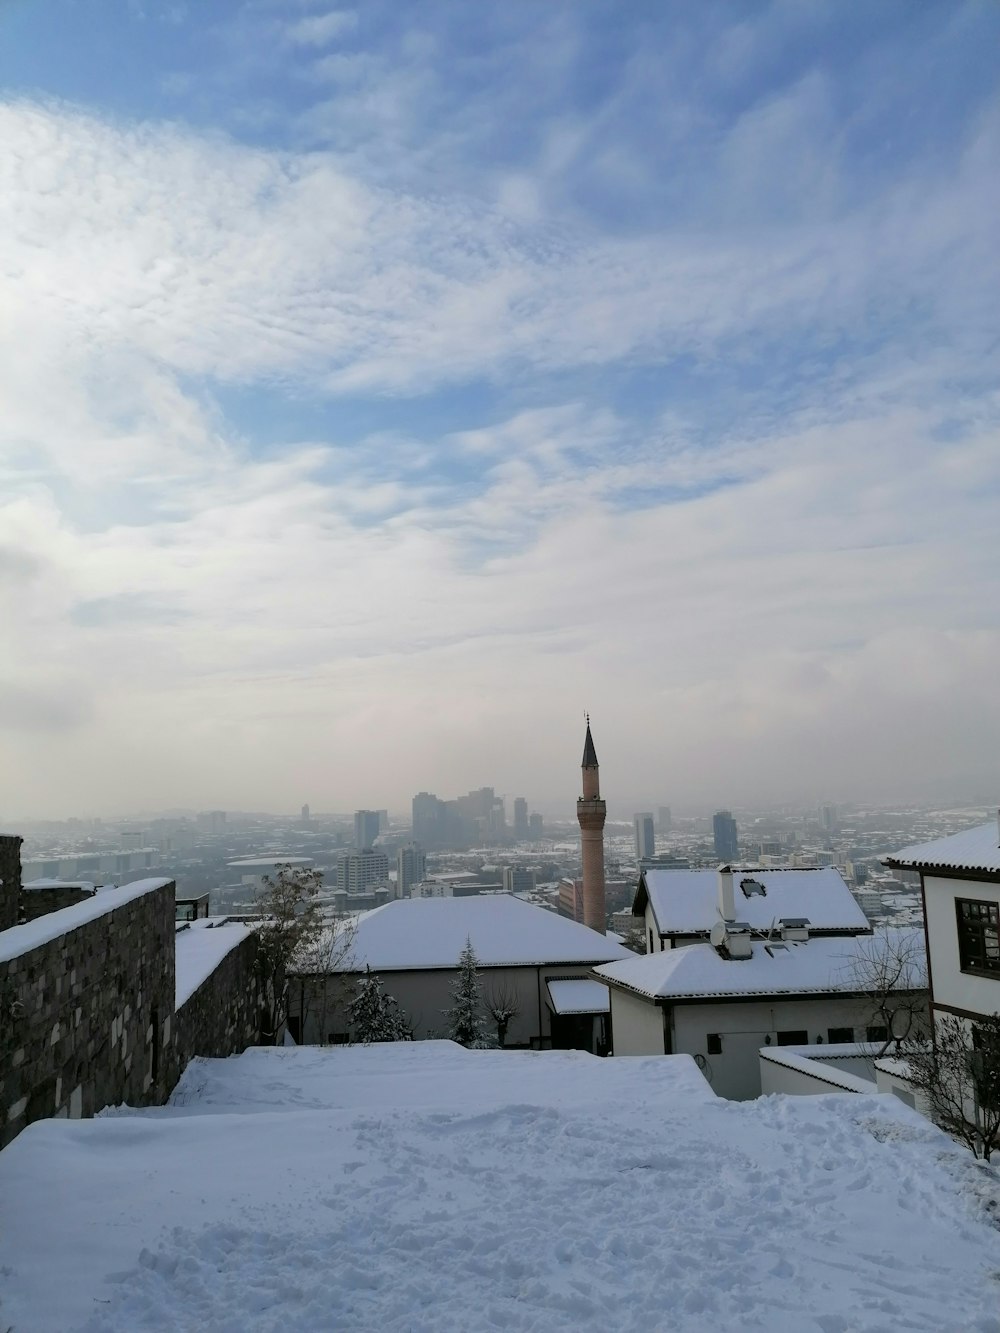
[(422, 1188), (201, 947), (821, 965), (505, 932), (18, 940), (685, 902), (818, 1062), (37, 885), (975, 849), (579, 997)]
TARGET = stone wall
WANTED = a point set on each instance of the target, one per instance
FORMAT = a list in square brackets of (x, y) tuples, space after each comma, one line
[(85, 1017), (39, 902), (221, 1017), (10, 879)]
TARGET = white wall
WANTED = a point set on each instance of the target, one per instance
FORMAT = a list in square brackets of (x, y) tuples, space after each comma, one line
[(425, 997), (963, 990), (636, 1025)]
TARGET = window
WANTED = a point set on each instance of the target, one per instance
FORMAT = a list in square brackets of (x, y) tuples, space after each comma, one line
[(793, 1038), (714, 1043), (876, 1033), (978, 935), (338, 1039), (839, 1034)]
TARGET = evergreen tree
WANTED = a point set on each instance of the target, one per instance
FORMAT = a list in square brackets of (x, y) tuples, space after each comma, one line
[(376, 1016), (465, 1019)]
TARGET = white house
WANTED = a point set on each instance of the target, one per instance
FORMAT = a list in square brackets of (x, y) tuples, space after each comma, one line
[(681, 906), (414, 945), (960, 888), (722, 1002)]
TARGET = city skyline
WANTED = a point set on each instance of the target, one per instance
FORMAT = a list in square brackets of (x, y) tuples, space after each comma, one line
[(385, 387)]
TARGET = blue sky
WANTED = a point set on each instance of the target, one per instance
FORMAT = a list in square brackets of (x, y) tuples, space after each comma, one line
[(384, 386)]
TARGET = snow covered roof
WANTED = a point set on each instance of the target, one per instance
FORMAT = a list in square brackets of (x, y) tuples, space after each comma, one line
[(469, 1168), (22, 939), (200, 948), (505, 932), (819, 966), (686, 902), (39, 885), (579, 997), (974, 849)]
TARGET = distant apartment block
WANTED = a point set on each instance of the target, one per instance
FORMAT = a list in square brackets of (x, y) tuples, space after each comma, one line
[(518, 879), (366, 828), (571, 899), (411, 868), (358, 870), (645, 837), (536, 827), (726, 842), (520, 819), (664, 819)]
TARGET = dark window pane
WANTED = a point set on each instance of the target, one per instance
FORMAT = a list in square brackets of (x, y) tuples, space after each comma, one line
[(793, 1038), (839, 1034)]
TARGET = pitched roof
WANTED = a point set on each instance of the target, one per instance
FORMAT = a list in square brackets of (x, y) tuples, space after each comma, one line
[(820, 966), (421, 933), (579, 996), (974, 849), (686, 902)]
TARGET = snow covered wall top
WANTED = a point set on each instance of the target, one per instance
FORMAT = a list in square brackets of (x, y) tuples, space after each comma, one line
[(22, 939)]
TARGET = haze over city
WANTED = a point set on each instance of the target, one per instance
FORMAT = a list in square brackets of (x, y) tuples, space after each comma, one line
[(385, 387)]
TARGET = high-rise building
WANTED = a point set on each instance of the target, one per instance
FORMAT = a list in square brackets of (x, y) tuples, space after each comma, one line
[(520, 819), (411, 868), (518, 879), (664, 818), (828, 817), (305, 814), (591, 813), (726, 843), (645, 838), (536, 827), (366, 827), (360, 869), (571, 899)]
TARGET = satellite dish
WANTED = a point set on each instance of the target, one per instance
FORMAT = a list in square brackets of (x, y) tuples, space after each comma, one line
[(717, 935)]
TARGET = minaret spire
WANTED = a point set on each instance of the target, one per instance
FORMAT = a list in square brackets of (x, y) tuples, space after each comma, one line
[(591, 813)]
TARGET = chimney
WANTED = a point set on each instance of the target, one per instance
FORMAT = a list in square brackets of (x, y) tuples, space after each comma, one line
[(727, 898)]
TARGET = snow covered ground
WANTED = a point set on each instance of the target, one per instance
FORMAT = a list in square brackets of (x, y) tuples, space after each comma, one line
[(425, 1188)]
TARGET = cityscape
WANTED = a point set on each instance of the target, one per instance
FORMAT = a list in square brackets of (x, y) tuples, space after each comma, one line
[(499, 727)]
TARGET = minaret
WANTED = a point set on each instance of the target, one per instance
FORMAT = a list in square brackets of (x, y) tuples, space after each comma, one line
[(591, 811)]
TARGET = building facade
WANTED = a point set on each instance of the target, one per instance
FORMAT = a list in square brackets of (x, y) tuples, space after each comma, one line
[(725, 835), (645, 836)]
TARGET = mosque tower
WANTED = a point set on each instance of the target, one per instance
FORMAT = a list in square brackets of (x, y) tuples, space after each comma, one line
[(591, 812)]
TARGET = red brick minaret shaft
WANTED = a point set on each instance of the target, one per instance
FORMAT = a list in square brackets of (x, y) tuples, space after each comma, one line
[(591, 812)]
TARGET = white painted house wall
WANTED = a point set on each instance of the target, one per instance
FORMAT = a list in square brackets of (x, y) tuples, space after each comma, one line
[(636, 1025), (962, 990), (425, 996)]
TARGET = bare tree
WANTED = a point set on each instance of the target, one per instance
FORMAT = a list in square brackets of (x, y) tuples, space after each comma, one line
[(502, 1004), (959, 1076), (889, 969), (288, 903), (323, 965)]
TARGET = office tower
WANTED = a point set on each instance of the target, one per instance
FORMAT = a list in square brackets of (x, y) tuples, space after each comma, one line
[(366, 825), (664, 818), (305, 814), (724, 829), (359, 869), (517, 879), (520, 819), (411, 868), (535, 827), (828, 816), (591, 813), (645, 840)]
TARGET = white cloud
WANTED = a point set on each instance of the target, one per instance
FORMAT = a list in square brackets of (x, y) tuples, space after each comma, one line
[(321, 29), (808, 599)]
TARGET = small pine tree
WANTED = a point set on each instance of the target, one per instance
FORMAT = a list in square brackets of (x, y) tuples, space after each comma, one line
[(465, 1019), (376, 1016)]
